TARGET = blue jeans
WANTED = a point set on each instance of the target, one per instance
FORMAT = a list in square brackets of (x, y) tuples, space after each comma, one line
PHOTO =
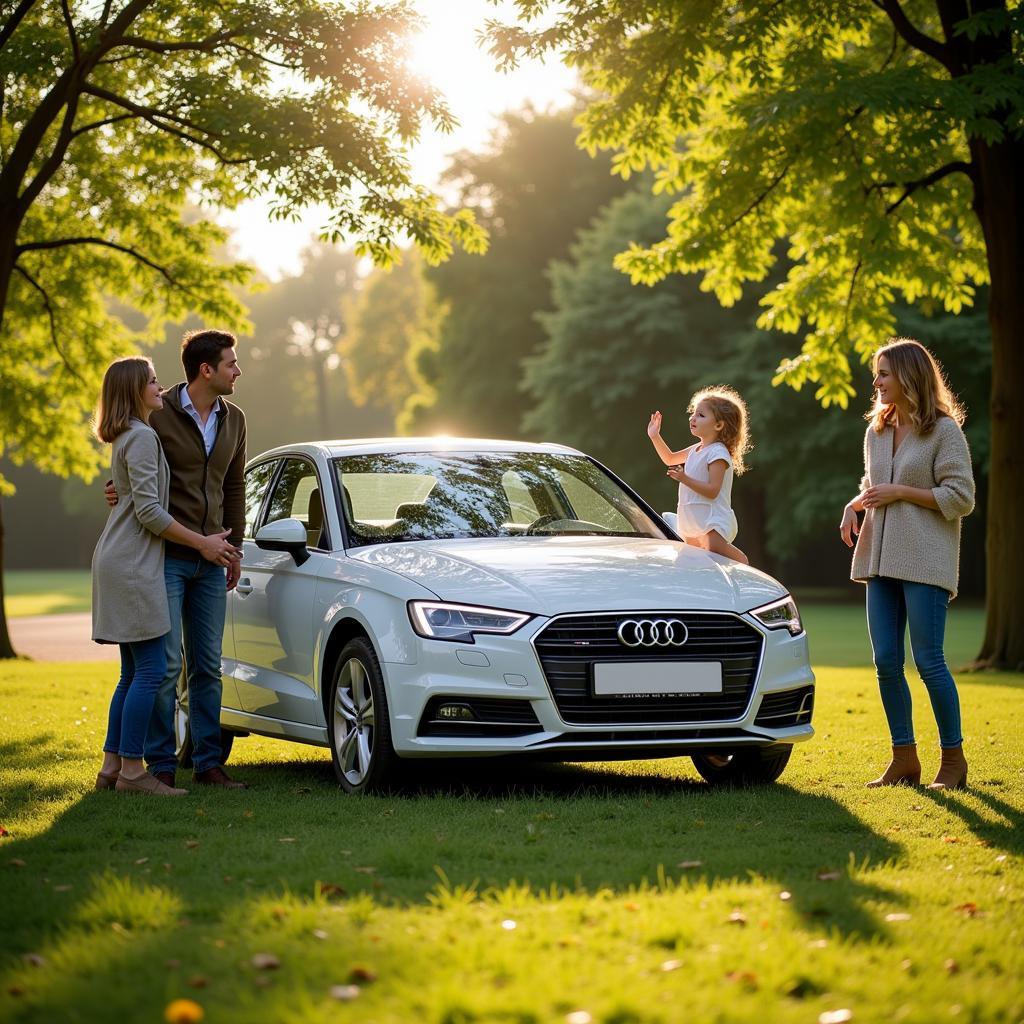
[(891, 605), (143, 667), (197, 597)]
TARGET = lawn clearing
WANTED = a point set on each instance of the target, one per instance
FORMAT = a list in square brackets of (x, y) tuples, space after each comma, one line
[(47, 591), (624, 892)]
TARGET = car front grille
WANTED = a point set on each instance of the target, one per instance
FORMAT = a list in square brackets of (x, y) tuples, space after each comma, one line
[(570, 645), (786, 709)]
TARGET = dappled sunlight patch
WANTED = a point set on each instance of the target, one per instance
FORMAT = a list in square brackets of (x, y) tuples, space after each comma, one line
[(123, 904)]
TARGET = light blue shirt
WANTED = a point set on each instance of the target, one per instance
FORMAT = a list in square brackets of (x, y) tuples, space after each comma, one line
[(207, 429)]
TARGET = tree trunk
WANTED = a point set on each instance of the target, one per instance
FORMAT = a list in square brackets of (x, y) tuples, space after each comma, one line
[(999, 203), (6, 648)]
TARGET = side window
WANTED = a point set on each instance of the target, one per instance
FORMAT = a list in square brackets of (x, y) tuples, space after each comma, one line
[(257, 480), (297, 496)]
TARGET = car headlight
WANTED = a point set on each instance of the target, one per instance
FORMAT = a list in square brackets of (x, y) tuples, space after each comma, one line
[(780, 615), (439, 620)]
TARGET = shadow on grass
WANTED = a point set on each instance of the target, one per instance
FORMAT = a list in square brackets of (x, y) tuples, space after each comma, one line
[(566, 828)]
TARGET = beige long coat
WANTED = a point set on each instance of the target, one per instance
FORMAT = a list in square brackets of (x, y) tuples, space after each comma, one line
[(129, 597), (905, 541)]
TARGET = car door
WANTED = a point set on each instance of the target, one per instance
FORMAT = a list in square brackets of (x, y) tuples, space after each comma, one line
[(273, 610)]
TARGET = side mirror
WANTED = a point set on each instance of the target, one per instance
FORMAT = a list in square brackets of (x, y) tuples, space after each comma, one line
[(671, 521), (284, 535)]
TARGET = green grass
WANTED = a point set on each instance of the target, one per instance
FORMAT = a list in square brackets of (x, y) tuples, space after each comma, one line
[(47, 591), (499, 893)]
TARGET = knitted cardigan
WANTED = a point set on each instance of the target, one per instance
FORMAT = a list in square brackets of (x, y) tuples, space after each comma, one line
[(905, 541)]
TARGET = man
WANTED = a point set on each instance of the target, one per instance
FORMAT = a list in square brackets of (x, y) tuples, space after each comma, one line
[(203, 437)]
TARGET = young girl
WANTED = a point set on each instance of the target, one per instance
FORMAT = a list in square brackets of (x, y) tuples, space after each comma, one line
[(718, 418)]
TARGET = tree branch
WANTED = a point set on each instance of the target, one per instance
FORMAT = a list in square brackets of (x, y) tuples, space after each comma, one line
[(15, 20), (207, 45), (57, 243), (759, 199), (921, 41), (72, 34), (93, 125), (910, 187), (48, 305)]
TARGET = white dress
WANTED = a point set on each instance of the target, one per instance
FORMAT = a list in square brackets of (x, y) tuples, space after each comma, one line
[(699, 515)]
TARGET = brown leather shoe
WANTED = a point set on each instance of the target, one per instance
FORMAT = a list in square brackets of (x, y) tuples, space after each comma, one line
[(167, 778), (952, 770), (903, 768), (216, 777), (146, 783), (106, 781)]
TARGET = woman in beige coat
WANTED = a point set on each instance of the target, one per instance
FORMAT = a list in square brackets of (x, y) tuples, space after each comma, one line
[(129, 600), (917, 487)]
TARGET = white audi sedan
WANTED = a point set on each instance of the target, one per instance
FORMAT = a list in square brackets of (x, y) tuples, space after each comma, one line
[(412, 598)]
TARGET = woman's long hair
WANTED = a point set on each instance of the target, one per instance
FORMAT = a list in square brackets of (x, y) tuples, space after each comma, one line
[(727, 407), (925, 391), (121, 396)]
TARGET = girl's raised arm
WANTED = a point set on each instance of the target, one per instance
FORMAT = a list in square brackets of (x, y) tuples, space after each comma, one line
[(669, 457)]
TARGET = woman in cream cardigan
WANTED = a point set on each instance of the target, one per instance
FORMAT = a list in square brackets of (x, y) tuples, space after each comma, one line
[(917, 487), (129, 598)]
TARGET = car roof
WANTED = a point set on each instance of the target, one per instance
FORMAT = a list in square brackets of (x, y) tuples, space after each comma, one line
[(407, 445)]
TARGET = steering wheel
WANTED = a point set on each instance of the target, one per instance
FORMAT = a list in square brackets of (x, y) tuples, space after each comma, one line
[(540, 521)]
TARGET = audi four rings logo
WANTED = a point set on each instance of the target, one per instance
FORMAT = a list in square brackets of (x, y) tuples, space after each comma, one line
[(653, 633)]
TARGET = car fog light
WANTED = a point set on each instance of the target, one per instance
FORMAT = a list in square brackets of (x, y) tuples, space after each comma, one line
[(456, 712)]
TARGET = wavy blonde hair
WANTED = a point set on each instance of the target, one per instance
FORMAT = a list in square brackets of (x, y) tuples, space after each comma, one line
[(728, 408), (923, 384), (121, 396)]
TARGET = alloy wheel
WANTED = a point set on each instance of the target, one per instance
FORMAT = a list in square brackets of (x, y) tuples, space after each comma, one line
[(354, 721)]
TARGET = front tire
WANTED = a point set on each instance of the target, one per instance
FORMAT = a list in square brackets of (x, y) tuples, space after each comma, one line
[(749, 766), (358, 722), (183, 734)]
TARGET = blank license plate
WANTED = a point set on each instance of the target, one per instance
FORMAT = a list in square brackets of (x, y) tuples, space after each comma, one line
[(642, 678)]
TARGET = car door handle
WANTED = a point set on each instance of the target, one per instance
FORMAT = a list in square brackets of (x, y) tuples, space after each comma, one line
[(244, 586)]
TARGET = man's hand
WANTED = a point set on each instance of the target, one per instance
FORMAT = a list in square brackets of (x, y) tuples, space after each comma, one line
[(235, 570), (110, 493)]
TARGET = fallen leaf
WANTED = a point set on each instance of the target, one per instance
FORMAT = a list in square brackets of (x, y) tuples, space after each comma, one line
[(172, 964), (16, 990), (835, 1016), (34, 959), (688, 865), (219, 943), (671, 965), (630, 905), (142, 860), (785, 896), (737, 917), (897, 917), (1000, 858), (509, 925), (287, 839), (952, 967), (63, 888), (746, 979), (969, 910), (366, 870), (951, 839), (331, 891), (265, 962), (198, 981), (578, 1017), (830, 875), (360, 972), (247, 814), (183, 1011), (3, 832), (319, 933), (191, 843), (344, 993), (16, 862)]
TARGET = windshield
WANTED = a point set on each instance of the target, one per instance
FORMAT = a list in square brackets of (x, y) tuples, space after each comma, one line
[(445, 495)]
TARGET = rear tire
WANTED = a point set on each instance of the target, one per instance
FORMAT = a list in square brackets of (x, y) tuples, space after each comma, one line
[(183, 734), (749, 766), (358, 722)]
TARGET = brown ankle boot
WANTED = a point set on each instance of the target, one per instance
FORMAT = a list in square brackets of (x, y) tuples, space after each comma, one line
[(904, 767), (952, 770)]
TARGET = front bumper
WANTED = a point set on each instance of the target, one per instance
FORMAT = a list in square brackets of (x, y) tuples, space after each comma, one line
[(503, 680)]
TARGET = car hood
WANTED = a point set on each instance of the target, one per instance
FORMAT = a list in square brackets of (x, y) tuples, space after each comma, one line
[(554, 575)]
